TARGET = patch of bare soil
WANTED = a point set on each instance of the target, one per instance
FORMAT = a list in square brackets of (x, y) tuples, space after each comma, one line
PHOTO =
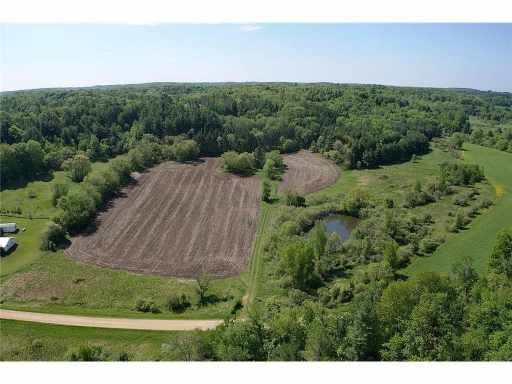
[(178, 220), (308, 172)]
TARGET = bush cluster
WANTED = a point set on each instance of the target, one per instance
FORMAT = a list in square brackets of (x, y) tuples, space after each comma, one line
[(146, 306), (178, 303)]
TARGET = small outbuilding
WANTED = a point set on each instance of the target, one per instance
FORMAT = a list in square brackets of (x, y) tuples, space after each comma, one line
[(8, 227), (6, 243)]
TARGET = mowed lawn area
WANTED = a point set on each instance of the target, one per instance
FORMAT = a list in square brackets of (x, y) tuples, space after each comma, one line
[(477, 241), (28, 241), (35, 202)]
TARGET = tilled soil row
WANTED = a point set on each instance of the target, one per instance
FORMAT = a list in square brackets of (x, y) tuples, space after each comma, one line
[(179, 220)]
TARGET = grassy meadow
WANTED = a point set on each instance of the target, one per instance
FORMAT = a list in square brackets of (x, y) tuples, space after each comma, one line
[(477, 241), (22, 341)]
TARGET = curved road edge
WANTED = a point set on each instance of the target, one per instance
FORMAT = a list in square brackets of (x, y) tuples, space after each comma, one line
[(110, 322)]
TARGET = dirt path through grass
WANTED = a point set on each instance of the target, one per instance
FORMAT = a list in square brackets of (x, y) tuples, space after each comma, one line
[(105, 322)]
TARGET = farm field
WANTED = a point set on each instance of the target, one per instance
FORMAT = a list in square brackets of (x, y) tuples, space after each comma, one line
[(55, 283), (180, 220), (308, 172), (477, 241)]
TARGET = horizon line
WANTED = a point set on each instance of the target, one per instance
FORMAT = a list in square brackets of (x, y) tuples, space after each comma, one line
[(78, 87)]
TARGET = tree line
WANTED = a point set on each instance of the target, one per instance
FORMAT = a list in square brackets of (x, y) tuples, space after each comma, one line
[(360, 126)]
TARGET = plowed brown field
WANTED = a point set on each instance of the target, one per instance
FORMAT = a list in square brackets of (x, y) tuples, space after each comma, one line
[(177, 220), (308, 172)]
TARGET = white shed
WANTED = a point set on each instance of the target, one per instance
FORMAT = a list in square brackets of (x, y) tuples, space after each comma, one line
[(8, 227), (6, 243)]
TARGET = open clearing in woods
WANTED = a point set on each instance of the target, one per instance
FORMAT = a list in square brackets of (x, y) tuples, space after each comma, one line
[(308, 172), (179, 220)]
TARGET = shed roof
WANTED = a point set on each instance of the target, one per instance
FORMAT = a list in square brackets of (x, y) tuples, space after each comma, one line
[(4, 241)]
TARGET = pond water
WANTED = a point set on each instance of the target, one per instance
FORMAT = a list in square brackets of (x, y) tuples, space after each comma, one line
[(340, 224)]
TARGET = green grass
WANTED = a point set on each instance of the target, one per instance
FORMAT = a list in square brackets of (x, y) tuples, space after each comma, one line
[(477, 241), (258, 251), (54, 283), (393, 180), (33, 280), (388, 180), (25, 341), (34, 200), (27, 250)]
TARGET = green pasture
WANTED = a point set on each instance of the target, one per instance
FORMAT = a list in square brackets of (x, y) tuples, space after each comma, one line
[(477, 241)]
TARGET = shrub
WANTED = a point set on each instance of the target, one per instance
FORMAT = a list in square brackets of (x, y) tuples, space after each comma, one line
[(270, 170), (298, 262), (485, 203), (438, 188), (53, 237), (456, 140), (240, 163), (417, 197), (462, 199), (428, 245), (203, 286), (186, 150), (336, 294), (355, 202), (276, 158), (78, 167), (237, 306), (473, 211), (289, 228), (294, 199), (461, 174), (265, 191), (58, 190), (178, 303), (78, 208), (500, 259), (89, 353), (146, 306), (288, 146), (122, 167), (390, 203), (459, 222)]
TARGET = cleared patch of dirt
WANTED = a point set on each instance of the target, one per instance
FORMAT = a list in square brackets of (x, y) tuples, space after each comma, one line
[(179, 220), (308, 172)]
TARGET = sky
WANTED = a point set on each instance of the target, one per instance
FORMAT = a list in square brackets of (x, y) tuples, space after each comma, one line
[(428, 55)]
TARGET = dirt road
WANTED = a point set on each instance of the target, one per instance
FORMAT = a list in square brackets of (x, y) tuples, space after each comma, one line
[(106, 322)]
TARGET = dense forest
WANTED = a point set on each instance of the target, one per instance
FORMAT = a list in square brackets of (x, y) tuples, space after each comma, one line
[(462, 316), (360, 126)]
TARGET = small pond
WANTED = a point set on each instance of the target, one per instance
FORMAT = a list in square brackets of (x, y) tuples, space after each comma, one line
[(340, 224)]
